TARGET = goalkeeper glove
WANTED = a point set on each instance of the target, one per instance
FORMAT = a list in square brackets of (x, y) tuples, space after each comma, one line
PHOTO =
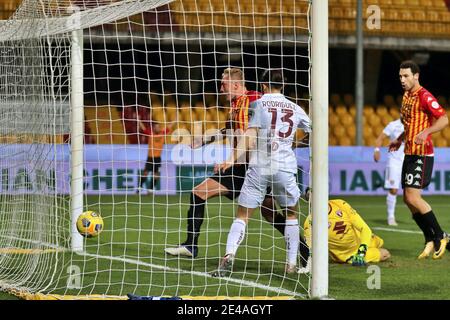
[(358, 258)]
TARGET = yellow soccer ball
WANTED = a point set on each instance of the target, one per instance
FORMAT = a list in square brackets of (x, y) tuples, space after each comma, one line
[(89, 224)]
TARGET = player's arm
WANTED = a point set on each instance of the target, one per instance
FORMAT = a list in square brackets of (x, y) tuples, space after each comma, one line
[(438, 125), (378, 143), (218, 136), (239, 154), (433, 107), (358, 259), (394, 145)]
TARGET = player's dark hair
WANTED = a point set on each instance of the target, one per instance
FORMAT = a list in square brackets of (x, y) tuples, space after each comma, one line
[(273, 78), (409, 64)]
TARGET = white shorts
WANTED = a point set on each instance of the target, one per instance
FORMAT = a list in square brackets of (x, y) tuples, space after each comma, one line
[(393, 175), (283, 184)]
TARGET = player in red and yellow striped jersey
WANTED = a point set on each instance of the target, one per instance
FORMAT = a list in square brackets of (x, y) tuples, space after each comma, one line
[(350, 239), (421, 116), (229, 182)]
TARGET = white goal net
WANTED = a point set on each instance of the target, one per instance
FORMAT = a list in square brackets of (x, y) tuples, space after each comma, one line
[(89, 90)]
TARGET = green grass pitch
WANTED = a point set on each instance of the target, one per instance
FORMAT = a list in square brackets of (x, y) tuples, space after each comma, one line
[(128, 256)]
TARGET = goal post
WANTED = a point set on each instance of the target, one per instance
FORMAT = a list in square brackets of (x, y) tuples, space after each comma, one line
[(319, 146), (77, 136), (92, 89)]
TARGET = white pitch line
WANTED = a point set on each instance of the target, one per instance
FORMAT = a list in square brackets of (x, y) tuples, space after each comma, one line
[(160, 267), (196, 273), (396, 230)]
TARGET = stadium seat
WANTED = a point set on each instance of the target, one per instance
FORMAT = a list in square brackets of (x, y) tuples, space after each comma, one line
[(351, 131), (439, 4), (446, 133), (426, 3), (332, 141), (386, 119), (333, 120), (368, 110), (347, 120), (330, 110), (347, 2), (394, 112), (345, 141), (171, 113), (381, 110), (367, 132), (339, 131), (106, 124), (370, 141), (412, 3), (341, 110), (352, 110), (374, 120)]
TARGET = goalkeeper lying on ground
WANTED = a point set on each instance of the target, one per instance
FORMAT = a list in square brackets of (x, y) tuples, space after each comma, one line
[(350, 239)]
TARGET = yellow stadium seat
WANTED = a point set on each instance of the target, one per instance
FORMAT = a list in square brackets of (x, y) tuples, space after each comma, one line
[(413, 3), (367, 132), (347, 119), (352, 110), (381, 110), (223, 116), (426, 3), (332, 141), (386, 119), (345, 141), (439, 3), (446, 133), (339, 131), (374, 120), (368, 110), (336, 12), (394, 112), (341, 110), (333, 120), (369, 141), (351, 131), (347, 2), (330, 110)]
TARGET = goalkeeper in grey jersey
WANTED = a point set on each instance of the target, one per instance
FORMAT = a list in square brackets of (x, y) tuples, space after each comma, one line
[(271, 131)]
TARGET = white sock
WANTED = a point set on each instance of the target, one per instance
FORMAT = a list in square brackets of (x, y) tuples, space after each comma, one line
[(235, 236), (391, 200), (292, 237)]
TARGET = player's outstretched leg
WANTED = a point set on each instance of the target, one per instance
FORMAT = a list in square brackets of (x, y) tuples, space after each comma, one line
[(235, 237), (206, 190), (278, 220), (189, 248)]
